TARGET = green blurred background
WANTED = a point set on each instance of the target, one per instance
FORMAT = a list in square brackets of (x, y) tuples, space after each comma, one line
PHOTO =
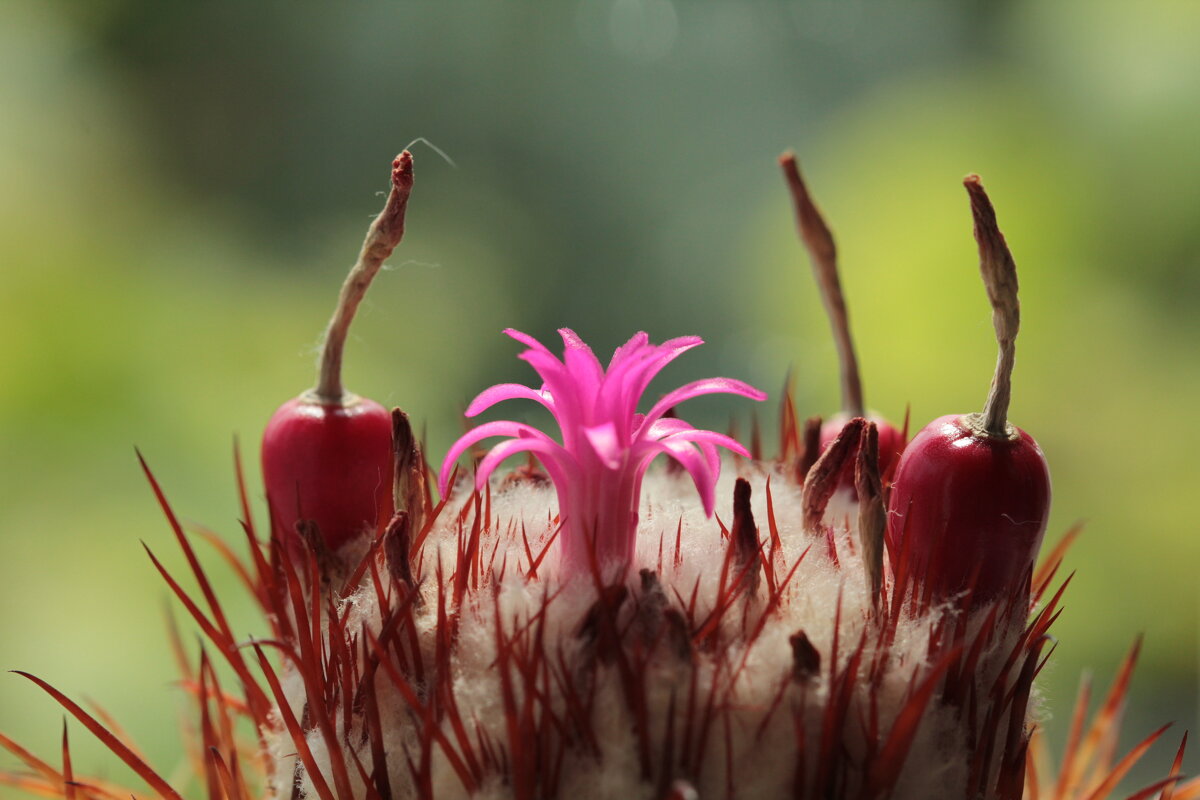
[(184, 186)]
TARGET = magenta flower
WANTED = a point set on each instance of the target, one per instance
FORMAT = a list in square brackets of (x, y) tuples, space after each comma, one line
[(606, 445)]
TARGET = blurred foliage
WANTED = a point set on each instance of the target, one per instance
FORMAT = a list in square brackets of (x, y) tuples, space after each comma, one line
[(184, 185)]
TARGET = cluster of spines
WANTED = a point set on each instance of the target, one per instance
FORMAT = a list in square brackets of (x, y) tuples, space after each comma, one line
[(337, 661)]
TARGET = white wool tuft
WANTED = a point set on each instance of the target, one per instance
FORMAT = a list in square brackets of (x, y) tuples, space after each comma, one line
[(753, 744)]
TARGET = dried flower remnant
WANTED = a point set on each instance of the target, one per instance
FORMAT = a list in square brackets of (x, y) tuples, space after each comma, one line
[(606, 445), (822, 251)]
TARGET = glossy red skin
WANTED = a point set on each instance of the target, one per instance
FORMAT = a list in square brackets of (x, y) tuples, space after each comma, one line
[(891, 440), (972, 508), (335, 461)]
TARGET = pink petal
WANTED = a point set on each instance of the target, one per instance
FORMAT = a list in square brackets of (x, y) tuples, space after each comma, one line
[(604, 441), (581, 362), (703, 387), (526, 339), (713, 458), (484, 431), (699, 436), (552, 371), (554, 458), (667, 352), (664, 426), (636, 342), (692, 460), (670, 430), (506, 391), (568, 409), (629, 376), (636, 374), (706, 447), (555, 377)]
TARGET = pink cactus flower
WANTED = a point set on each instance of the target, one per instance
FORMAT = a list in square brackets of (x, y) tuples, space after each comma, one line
[(606, 445)]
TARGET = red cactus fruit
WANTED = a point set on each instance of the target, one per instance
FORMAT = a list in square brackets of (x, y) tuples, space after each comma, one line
[(971, 495), (326, 455)]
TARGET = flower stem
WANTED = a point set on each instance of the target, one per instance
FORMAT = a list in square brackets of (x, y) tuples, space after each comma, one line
[(1000, 277), (823, 253), (382, 237)]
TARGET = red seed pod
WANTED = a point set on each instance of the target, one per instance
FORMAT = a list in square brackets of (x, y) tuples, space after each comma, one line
[(973, 507), (327, 454), (330, 463), (971, 495), (823, 253)]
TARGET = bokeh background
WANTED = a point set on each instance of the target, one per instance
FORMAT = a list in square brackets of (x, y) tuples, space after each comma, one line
[(183, 186)]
